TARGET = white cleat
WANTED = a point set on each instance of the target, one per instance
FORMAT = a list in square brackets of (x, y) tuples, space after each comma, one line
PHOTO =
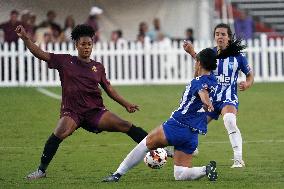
[(238, 164), (195, 153), (170, 151), (36, 175)]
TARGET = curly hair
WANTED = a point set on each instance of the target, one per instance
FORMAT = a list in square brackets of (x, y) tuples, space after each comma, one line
[(82, 30)]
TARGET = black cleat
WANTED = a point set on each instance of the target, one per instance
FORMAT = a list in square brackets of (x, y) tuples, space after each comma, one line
[(112, 178), (211, 171)]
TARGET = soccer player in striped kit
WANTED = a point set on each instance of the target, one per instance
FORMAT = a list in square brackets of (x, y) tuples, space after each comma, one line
[(226, 101), (181, 130)]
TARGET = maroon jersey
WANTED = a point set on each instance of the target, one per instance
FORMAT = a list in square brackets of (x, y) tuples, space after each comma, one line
[(79, 81)]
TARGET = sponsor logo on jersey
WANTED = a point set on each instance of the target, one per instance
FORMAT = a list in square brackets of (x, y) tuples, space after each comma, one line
[(223, 79)]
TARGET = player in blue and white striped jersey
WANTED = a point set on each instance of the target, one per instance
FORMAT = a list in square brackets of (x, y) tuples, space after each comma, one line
[(230, 62), (181, 130)]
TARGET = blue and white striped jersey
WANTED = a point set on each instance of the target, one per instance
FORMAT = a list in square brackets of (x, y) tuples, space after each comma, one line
[(190, 112), (227, 73)]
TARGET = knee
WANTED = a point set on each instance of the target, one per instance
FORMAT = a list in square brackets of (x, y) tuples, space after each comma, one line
[(230, 122), (63, 133), (149, 142), (124, 126)]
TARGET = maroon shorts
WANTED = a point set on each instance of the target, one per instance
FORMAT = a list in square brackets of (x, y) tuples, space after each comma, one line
[(88, 121)]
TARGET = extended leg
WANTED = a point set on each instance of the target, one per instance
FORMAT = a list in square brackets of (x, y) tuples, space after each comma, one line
[(66, 126), (154, 140)]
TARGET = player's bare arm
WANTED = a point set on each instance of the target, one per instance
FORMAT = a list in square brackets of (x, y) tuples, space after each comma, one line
[(111, 92), (188, 47), (204, 96), (248, 83), (35, 50)]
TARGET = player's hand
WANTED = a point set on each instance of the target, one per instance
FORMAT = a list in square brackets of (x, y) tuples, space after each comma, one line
[(208, 107), (188, 47), (243, 86), (21, 32), (131, 108)]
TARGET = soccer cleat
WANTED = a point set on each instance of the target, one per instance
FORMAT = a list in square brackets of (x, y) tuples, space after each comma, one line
[(170, 151), (36, 175), (238, 164), (112, 178), (195, 153), (211, 171)]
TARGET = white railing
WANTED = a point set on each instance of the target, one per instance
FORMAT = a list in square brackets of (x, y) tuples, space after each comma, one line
[(132, 63)]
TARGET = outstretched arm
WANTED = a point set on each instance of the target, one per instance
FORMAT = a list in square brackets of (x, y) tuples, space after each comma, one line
[(35, 50), (188, 47), (111, 92), (248, 83), (204, 96)]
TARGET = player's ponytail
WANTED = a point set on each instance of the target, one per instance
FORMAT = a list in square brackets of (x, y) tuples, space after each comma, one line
[(234, 48), (207, 59)]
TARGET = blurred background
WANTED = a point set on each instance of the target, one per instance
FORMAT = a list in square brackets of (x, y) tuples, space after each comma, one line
[(151, 34), (125, 15)]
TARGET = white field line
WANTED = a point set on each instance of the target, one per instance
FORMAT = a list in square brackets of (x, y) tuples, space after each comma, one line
[(48, 93), (56, 96), (131, 144)]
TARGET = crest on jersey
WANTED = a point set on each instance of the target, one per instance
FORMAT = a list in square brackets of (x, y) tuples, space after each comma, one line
[(94, 68), (231, 65)]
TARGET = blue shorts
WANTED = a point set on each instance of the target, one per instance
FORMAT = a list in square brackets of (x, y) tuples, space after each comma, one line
[(180, 136), (218, 106)]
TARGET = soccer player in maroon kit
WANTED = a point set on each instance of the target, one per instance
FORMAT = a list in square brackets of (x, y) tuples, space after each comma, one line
[(82, 103)]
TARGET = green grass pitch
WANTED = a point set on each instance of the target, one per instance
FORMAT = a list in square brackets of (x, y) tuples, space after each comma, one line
[(28, 117)]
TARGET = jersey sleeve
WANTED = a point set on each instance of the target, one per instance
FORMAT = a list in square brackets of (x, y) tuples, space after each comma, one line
[(243, 63), (57, 60), (104, 81), (197, 85)]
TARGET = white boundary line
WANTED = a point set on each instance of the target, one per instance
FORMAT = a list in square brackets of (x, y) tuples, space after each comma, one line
[(130, 144), (58, 97), (48, 93)]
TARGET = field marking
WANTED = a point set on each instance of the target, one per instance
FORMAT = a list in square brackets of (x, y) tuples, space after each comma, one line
[(129, 144), (58, 97), (48, 93)]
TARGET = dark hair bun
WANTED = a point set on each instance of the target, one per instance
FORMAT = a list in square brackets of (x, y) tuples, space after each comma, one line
[(207, 58)]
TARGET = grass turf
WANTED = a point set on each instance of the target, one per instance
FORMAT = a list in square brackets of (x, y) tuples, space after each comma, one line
[(28, 118)]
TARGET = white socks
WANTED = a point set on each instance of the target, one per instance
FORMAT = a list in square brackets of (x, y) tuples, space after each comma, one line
[(133, 158), (234, 134), (185, 173), (139, 152)]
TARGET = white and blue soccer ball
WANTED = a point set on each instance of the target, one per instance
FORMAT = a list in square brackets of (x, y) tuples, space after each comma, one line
[(156, 159)]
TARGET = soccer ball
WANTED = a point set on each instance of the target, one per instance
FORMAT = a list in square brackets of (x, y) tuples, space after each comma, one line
[(156, 159)]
